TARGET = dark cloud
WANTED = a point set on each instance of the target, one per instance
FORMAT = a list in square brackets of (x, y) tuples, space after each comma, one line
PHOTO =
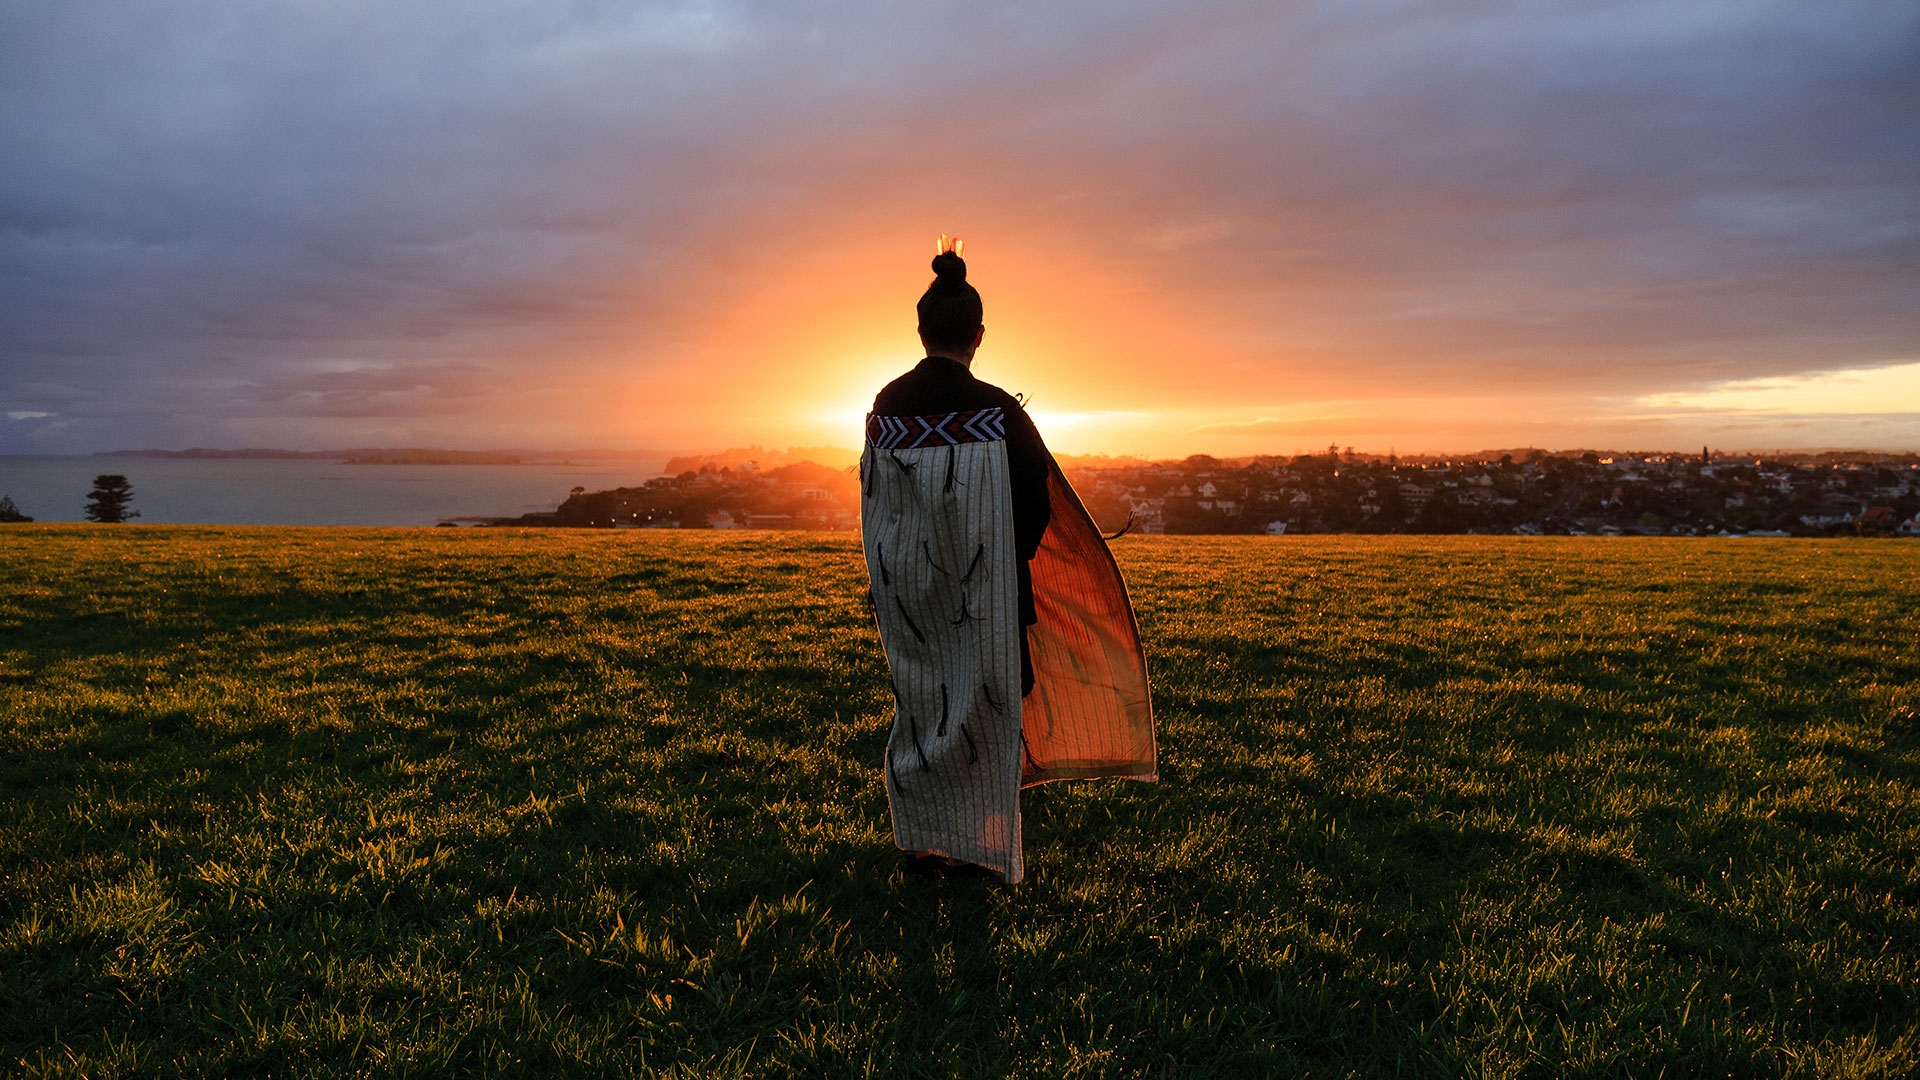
[(222, 218)]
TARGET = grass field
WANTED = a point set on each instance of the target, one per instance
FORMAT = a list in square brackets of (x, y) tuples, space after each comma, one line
[(361, 802)]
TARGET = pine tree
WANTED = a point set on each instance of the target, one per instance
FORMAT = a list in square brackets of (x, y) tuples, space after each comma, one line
[(10, 512), (109, 497)]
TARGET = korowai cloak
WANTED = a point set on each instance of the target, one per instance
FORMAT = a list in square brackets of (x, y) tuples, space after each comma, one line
[(937, 523)]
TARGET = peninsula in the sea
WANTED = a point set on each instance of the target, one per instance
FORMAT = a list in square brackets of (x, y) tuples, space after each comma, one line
[(410, 455)]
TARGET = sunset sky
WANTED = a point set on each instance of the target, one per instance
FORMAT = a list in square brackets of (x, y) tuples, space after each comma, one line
[(1219, 228)]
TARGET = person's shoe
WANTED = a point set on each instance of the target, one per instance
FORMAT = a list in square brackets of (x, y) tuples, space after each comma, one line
[(926, 865), (922, 865), (966, 871)]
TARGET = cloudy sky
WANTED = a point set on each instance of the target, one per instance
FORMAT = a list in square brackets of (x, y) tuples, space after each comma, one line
[(1197, 227)]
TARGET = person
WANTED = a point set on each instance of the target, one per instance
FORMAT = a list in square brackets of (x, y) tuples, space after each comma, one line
[(1013, 650)]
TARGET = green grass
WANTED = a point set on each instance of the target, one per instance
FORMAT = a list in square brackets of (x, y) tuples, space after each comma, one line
[(361, 802)]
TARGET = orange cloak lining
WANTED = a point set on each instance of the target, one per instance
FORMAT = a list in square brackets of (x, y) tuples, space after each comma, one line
[(1090, 713)]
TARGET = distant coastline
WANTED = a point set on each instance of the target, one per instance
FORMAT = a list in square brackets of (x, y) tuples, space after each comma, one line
[(203, 452), (407, 455), (1812, 493)]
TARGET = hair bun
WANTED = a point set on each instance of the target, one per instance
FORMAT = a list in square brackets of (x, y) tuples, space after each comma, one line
[(949, 268)]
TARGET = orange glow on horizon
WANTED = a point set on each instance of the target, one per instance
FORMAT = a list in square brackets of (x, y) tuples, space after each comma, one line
[(791, 345)]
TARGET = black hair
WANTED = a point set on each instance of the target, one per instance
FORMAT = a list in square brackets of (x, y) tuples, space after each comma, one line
[(950, 308)]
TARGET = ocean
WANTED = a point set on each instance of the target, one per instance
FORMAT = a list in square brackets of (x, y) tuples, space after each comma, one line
[(272, 491)]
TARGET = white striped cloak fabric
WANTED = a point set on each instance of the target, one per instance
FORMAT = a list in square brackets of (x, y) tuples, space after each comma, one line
[(937, 522)]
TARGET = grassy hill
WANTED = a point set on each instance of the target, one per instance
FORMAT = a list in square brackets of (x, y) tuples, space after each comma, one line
[(340, 802)]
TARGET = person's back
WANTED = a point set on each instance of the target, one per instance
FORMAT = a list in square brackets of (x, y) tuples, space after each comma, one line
[(942, 384), (957, 496)]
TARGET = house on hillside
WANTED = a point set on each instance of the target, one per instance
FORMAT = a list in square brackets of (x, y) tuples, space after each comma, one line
[(1149, 515), (1824, 521)]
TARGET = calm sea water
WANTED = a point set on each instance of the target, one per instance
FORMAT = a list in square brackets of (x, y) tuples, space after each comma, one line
[(299, 492)]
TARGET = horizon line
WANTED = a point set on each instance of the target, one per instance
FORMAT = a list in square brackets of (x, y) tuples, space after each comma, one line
[(1492, 453)]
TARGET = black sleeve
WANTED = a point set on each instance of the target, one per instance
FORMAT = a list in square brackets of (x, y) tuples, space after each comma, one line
[(1027, 466)]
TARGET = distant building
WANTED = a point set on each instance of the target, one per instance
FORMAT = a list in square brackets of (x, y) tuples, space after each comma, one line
[(1824, 521)]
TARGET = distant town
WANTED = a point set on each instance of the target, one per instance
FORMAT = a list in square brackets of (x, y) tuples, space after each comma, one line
[(1522, 492)]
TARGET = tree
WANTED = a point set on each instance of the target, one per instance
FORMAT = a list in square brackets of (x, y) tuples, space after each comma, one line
[(109, 497), (10, 512)]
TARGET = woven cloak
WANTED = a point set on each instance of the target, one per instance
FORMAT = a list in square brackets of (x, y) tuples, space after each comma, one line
[(937, 521)]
